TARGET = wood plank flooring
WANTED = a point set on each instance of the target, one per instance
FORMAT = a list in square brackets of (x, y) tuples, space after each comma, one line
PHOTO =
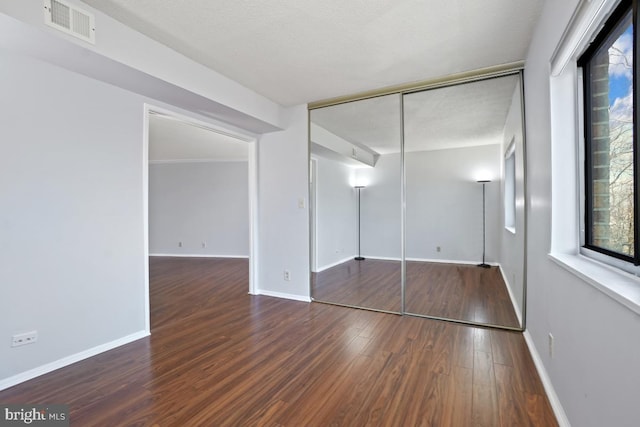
[(220, 357), (453, 291)]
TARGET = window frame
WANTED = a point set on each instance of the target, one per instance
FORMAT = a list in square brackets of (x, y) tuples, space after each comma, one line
[(613, 278), (584, 64)]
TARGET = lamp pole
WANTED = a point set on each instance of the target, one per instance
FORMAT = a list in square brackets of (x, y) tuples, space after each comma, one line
[(484, 224), (359, 257)]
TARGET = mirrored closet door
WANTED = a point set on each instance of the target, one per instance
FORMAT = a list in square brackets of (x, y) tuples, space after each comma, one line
[(356, 202), (464, 241), (418, 202)]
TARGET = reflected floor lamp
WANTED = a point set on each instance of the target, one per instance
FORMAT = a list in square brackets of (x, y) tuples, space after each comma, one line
[(359, 257), (484, 223)]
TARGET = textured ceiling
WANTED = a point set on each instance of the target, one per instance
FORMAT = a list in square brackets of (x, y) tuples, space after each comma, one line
[(371, 123), (458, 116), (298, 51)]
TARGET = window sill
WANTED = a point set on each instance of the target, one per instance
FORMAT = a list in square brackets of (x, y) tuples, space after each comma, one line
[(622, 287)]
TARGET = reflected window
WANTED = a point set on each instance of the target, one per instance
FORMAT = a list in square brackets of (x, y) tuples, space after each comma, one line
[(510, 188)]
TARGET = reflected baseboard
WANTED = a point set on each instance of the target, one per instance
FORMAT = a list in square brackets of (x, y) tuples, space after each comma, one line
[(436, 260), (452, 261), (328, 266), (381, 258), (516, 307)]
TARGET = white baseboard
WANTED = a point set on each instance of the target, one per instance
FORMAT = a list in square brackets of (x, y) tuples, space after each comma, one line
[(450, 261), (284, 295), (201, 256), (558, 410), (328, 266), (65, 361), (514, 303)]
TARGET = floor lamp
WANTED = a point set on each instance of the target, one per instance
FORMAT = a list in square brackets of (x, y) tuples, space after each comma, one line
[(484, 223), (359, 257)]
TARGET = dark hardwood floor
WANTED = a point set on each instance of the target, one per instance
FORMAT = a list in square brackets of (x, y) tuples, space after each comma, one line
[(453, 291), (220, 357)]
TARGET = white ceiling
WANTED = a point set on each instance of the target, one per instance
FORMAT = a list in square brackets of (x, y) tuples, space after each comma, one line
[(458, 116), (298, 51), (175, 140)]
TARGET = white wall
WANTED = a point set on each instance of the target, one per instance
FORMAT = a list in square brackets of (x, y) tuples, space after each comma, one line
[(196, 203), (594, 370), (336, 209), (72, 254), (283, 193), (511, 250), (444, 204), (381, 208)]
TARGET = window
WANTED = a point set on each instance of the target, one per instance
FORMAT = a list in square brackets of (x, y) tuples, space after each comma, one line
[(619, 279), (611, 164), (510, 187)]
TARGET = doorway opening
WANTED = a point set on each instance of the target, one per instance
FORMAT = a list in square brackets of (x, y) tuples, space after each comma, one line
[(199, 192)]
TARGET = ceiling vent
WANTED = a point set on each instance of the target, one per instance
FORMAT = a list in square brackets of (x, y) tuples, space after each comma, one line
[(67, 18)]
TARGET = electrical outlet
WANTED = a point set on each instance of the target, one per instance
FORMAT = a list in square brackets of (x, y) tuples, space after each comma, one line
[(179, 244), (287, 275), (438, 249), (204, 245), (23, 339), (551, 345)]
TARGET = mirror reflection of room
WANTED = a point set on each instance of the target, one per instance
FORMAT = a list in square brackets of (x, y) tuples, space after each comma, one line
[(357, 171), (463, 261), (463, 215)]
